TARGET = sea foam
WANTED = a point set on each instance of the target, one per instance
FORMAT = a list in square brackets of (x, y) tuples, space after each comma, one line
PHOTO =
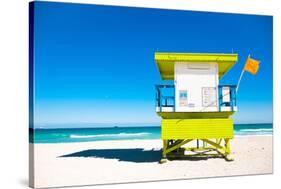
[(256, 130), (110, 135)]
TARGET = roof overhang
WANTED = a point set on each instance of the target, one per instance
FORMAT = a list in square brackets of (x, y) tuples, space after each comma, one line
[(165, 61)]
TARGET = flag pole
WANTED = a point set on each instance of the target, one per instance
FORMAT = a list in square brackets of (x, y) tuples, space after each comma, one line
[(241, 75)]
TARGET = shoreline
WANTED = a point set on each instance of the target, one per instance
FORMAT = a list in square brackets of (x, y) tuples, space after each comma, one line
[(103, 162), (235, 136)]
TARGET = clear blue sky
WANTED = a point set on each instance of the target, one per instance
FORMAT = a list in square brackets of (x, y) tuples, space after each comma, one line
[(94, 64)]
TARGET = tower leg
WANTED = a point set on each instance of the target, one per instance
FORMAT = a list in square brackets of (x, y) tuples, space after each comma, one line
[(228, 157), (164, 157)]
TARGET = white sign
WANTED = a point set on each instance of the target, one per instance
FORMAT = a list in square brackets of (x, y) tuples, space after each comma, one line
[(209, 96), (225, 94)]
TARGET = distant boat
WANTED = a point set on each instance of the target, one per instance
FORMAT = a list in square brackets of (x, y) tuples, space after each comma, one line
[(115, 126)]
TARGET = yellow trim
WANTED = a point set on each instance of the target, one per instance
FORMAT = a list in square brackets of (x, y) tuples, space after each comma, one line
[(176, 146), (214, 144), (194, 115), (177, 149), (165, 61), (196, 129)]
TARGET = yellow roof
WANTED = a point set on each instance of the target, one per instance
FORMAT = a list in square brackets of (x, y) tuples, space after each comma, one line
[(165, 61)]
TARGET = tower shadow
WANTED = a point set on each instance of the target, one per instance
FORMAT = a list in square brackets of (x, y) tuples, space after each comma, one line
[(137, 155)]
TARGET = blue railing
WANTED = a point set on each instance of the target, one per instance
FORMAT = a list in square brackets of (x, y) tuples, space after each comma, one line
[(231, 102), (165, 96)]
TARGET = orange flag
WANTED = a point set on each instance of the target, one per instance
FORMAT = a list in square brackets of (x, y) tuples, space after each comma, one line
[(252, 65)]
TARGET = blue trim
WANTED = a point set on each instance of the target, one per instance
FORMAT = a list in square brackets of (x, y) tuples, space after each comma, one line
[(220, 97), (170, 101), (162, 100), (174, 98), (232, 94)]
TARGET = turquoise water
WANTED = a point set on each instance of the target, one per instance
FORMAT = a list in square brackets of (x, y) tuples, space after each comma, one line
[(124, 133)]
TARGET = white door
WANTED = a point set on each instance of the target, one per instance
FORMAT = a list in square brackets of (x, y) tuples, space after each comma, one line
[(196, 86)]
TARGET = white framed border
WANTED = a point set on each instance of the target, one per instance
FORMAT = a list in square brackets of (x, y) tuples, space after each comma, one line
[(14, 89)]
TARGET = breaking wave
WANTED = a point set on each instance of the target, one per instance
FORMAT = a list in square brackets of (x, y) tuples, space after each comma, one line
[(255, 130), (119, 135)]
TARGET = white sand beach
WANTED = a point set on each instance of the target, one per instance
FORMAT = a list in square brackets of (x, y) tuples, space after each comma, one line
[(86, 163)]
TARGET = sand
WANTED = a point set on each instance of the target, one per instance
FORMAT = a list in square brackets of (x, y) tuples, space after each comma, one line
[(101, 162)]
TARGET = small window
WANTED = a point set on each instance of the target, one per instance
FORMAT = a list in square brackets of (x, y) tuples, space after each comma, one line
[(183, 95), (183, 98)]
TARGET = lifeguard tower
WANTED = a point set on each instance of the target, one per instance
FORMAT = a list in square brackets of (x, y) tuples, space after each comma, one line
[(195, 109)]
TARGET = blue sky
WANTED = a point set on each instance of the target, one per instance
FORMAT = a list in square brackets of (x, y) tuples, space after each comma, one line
[(94, 64)]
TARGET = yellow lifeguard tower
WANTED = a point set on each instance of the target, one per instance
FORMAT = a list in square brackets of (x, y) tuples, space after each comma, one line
[(195, 110)]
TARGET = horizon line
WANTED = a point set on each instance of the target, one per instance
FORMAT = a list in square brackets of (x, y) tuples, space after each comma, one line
[(124, 126)]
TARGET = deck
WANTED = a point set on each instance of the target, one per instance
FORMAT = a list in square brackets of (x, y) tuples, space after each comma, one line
[(165, 104)]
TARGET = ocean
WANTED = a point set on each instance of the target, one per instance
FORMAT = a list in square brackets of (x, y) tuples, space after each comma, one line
[(124, 133)]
